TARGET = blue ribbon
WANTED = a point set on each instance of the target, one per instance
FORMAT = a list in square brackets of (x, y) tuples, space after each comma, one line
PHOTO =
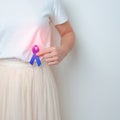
[(35, 49)]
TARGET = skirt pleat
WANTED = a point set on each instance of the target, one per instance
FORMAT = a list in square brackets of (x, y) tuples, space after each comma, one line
[(28, 92)]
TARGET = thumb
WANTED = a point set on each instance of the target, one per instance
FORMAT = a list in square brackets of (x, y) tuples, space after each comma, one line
[(44, 51)]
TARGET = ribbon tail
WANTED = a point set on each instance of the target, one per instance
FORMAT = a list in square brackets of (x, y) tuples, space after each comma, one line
[(32, 59), (38, 61)]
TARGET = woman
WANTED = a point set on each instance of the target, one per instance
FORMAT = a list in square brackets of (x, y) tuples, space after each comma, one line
[(28, 91)]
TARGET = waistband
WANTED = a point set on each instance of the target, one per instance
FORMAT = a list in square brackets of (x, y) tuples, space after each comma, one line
[(18, 62)]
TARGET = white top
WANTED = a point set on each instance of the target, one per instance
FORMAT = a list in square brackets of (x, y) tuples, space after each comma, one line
[(24, 23)]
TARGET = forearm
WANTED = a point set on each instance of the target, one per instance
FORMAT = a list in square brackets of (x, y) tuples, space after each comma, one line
[(67, 42)]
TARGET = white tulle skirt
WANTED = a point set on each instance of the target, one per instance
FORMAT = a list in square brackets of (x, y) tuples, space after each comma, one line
[(27, 92)]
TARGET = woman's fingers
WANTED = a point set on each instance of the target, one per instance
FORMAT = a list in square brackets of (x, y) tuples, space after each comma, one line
[(49, 55), (45, 51), (56, 58), (53, 63)]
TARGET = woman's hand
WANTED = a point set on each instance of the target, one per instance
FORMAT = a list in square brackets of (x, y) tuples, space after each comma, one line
[(52, 55)]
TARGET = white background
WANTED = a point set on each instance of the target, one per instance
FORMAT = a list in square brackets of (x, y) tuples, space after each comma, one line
[(89, 77)]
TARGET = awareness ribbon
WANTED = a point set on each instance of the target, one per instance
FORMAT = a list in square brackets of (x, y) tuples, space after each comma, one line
[(35, 49)]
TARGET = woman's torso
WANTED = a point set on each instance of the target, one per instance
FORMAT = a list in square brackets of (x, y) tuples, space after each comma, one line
[(23, 23)]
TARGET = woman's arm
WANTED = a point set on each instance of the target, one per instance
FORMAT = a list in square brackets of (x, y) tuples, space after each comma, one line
[(54, 55), (67, 36)]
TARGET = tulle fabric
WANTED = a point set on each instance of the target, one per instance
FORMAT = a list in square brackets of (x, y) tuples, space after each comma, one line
[(28, 92)]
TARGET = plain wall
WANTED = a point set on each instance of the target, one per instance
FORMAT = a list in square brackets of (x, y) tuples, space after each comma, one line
[(88, 78)]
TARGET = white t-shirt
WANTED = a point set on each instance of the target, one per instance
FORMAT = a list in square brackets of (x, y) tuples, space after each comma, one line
[(24, 23)]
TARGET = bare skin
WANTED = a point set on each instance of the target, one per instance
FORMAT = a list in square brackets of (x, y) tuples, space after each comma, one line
[(54, 55)]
